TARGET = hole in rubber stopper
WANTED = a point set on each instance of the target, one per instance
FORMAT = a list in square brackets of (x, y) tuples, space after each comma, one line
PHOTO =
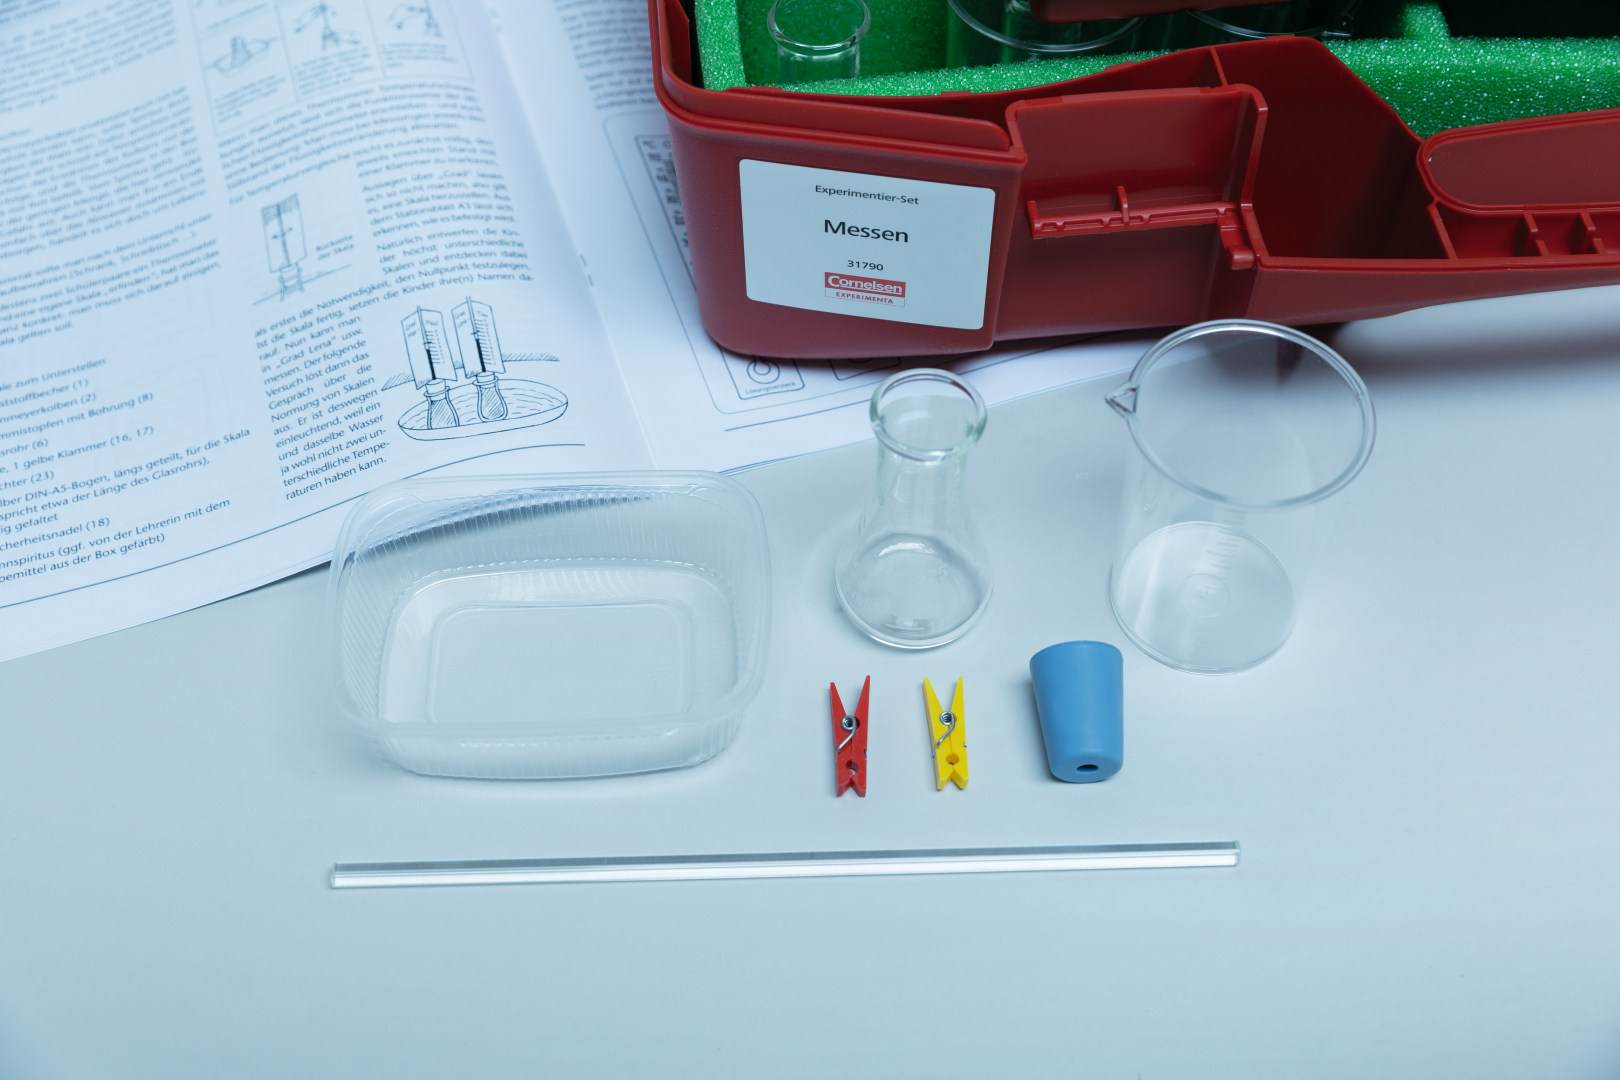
[(1086, 768)]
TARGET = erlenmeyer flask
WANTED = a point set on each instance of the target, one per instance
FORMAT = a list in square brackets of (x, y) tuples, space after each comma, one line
[(915, 573)]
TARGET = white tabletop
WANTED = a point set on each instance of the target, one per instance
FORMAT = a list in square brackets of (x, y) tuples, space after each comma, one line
[(1423, 782)]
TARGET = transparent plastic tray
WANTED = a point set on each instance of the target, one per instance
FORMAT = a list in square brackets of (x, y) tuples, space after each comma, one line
[(524, 627)]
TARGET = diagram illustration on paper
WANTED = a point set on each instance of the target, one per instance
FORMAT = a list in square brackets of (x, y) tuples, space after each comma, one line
[(244, 51), (405, 14), (479, 401), (285, 247), (264, 56), (332, 37)]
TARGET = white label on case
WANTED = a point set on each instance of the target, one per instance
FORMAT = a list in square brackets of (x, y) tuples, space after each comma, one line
[(856, 244)]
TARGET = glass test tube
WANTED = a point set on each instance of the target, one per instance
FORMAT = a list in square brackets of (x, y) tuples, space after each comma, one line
[(818, 39)]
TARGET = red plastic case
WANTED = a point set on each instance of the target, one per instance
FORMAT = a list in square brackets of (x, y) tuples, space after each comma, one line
[(1258, 179)]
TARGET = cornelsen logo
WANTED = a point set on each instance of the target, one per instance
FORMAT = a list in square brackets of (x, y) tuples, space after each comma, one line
[(868, 290)]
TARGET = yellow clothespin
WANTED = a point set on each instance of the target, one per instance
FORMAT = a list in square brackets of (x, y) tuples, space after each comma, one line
[(945, 727)]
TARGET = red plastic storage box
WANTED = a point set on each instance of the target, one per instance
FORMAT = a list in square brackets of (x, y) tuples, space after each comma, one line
[(1259, 179)]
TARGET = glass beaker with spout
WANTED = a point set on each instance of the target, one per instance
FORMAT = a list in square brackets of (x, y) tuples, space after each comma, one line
[(1241, 431), (915, 573)]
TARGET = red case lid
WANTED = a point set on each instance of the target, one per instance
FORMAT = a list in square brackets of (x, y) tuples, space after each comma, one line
[(1569, 162)]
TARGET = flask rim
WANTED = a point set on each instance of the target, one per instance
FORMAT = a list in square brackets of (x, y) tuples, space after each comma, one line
[(921, 453)]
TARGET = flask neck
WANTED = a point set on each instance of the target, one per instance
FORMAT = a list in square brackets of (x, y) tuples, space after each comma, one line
[(923, 486)]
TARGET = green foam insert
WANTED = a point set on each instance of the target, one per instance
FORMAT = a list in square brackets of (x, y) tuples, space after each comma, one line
[(1433, 80), (719, 43), (1462, 81), (1424, 22)]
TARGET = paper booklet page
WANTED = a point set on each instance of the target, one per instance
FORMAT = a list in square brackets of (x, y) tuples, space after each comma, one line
[(584, 68), (257, 258)]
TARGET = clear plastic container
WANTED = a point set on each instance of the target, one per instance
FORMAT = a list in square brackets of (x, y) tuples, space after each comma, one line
[(523, 627)]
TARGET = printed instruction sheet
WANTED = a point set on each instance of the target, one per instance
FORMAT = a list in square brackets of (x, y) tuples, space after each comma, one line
[(257, 258)]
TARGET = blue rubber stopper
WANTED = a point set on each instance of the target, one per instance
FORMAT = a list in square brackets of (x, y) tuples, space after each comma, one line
[(1080, 696)]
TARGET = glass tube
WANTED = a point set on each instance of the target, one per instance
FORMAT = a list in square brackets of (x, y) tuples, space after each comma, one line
[(1006, 32), (915, 573), (797, 864), (818, 39), (1329, 20)]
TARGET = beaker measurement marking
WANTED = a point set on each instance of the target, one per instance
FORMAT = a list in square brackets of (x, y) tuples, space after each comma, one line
[(1206, 596), (1235, 606)]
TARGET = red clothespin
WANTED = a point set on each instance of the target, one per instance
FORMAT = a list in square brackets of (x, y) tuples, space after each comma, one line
[(849, 737)]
